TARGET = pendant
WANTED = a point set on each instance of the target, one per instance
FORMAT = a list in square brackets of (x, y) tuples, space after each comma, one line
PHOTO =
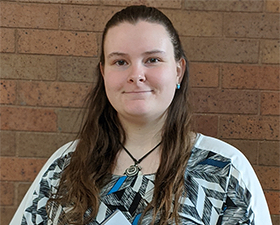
[(132, 170)]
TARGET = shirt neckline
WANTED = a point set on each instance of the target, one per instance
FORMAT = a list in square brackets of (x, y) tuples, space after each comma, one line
[(196, 141)]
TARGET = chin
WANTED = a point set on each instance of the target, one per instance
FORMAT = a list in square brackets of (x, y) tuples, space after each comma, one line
[(138, 114)]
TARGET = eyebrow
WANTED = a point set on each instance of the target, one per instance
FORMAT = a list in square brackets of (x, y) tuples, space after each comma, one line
[(154, 52), (116, 54), (112, 54)]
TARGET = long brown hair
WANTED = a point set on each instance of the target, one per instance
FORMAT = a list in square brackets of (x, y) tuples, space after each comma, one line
[(99, 141)]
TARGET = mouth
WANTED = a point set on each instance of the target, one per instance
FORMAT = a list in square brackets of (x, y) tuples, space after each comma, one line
[(137, 92)]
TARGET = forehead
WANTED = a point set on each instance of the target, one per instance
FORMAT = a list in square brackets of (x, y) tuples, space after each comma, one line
[(141, 35)]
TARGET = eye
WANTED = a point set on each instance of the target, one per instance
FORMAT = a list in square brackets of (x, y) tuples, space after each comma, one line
[(153, 60), (120, 62)]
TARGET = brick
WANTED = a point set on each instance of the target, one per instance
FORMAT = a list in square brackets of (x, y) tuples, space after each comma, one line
[(204, 75), (57, 42), (275, 219), (270, 103), (91, 2), (6, 214), (273, 6), (196, 23), (77, 69), (221, 50), (20, 169), (28, 119), (7, 143), (249, 127), (7, 91), (86, 2), (88, 18), (29, 15), (205, 124), (69, 120), (7, 193), (21, 191), (40, 144), (7, 43), (269, 153), (250, 77), (251, 25), (269, 177), (155, 3), (31, 67), (247, 147), (273, 201), (61, 94), (224, 101), (221, 5), (270, 51)]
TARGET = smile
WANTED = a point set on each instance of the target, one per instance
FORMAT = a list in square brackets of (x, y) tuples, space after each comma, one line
[(137, 92)]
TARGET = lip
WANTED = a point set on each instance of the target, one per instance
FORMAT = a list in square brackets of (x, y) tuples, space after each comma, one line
[(137, 92)]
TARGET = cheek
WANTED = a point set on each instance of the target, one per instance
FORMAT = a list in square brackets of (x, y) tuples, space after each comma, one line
[(165, 78), (112, 81)]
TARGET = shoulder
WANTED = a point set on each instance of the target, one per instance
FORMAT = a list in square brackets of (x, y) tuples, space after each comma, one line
[(218, 161), (240, 167), (55, 165), (65, 149), (216, 154), (62, 154), (225, 150), (57, 162), (34, 201)]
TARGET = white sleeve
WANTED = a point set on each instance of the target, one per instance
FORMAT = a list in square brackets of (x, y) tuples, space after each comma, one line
[(34, 188), (242, 177)]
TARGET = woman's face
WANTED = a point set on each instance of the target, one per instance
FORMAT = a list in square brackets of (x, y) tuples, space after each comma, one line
[(140, 71)]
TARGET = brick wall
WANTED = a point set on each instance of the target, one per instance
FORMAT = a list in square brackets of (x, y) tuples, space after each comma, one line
[(49, 50)]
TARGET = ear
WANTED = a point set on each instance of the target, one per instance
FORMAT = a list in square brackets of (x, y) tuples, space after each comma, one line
[(181, 67), (101, 67)]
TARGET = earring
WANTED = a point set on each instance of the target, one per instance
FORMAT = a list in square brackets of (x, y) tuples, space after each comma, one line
[(178, 86)]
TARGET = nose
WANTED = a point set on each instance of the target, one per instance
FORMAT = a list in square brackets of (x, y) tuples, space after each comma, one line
[(137, 75), (137, 78)]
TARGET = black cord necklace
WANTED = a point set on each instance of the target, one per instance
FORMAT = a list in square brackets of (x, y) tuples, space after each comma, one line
[(134, 169)]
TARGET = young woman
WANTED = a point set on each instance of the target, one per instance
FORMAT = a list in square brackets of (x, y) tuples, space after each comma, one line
[(135, 153)]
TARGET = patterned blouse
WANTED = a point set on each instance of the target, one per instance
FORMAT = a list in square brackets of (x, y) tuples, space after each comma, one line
[(221, 188)]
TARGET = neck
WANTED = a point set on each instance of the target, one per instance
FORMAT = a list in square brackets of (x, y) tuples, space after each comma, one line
[(142, 136)]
